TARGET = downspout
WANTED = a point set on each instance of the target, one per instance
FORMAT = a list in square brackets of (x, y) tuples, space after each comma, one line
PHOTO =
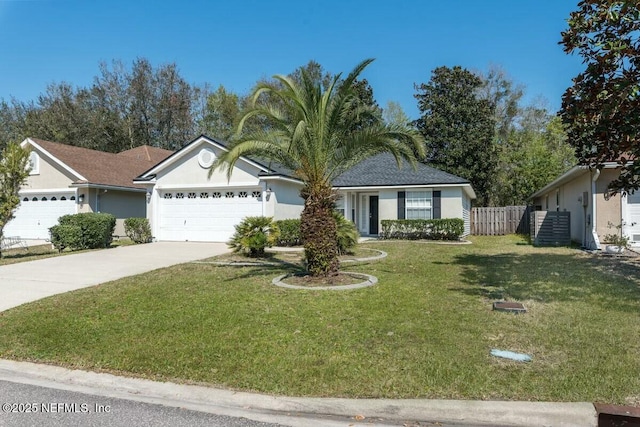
[(594, 234)]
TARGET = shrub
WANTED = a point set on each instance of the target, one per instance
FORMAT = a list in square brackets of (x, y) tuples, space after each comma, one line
[(347, 234), (138, 229), (66, 236), (253, 235), (289, 232), (97, 228), (434, 229)]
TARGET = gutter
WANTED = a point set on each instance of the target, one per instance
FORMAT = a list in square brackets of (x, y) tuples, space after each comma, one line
[(594, 234)]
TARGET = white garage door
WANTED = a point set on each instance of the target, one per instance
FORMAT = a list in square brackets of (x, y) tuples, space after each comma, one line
[(632, 222), (38, 212), (206, 215)]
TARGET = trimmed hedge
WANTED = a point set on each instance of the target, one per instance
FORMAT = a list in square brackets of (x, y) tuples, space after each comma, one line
[(289, 232), (137, 229), (433, 229), (95, 231)]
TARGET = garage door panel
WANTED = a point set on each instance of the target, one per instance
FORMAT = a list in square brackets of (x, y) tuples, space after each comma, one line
[(199, 216), (39, 212)]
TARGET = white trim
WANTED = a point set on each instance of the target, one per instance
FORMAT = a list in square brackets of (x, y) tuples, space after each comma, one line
[(280, 178), (387, 187), (188, 149), (53, 158), (203, 186), (48, 191), (107, 187), (568, 176)]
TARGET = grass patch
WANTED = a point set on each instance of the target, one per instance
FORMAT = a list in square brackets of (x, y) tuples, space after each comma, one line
[(425, 330), (33, 253)]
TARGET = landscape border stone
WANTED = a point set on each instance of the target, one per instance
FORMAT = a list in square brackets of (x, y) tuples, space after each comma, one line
[(371, 280)]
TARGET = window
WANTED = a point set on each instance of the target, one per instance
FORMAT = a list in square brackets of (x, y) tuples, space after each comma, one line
[(256, 194), (73, 198), (54, 198), (43, 199), (34, 163), (191, 195), (418, 205), (63, 198), (35, 199), (216, 195), (243, 194), (229, 195), (167, 195), (179, 195), (26, 199), (204, 195)]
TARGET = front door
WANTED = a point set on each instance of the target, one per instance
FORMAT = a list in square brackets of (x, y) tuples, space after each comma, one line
[(373, 215)]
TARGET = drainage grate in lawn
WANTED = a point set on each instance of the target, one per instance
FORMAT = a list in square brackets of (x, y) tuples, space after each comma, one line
[(511, 307)]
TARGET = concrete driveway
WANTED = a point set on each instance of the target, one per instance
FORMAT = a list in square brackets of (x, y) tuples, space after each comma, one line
[(30, 281)]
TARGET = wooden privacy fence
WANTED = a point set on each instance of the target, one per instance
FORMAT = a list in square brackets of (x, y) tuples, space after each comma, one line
[(500, 221)]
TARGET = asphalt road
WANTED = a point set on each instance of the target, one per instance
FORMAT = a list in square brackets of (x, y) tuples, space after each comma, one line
[(27, 405)]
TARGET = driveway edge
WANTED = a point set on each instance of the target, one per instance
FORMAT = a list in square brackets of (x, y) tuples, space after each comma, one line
[(260, 406)]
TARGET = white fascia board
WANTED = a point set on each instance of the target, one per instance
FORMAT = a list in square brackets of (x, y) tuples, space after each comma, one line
[(188, 149), (281, 178), (48, 191), (107, 187), (569, 175), (208, 186), (388, 187), (53, 158)]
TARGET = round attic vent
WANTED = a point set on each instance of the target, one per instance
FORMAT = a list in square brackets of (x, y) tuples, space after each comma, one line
[(206, 158)]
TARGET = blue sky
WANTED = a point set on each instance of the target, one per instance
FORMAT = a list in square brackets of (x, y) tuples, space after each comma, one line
[(236, 42)]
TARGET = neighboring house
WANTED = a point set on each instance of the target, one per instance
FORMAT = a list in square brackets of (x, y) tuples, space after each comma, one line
[(185, 203), (66, 180), (583, 192)]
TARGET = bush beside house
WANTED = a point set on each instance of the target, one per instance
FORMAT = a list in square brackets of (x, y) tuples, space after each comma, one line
[(138, 229), (83, 231), (432, 229)]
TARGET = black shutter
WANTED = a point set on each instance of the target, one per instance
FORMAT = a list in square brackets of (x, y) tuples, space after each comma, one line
[(437, 211), (401, 204)]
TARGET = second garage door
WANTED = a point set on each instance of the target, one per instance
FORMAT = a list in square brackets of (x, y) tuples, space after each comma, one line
[(205, 215), (38, 212)]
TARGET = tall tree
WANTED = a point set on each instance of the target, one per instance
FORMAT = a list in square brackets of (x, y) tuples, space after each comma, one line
[(458, 126), (311, 131), (13, 173), (222, 113), (505, 95), (601, 108), (394, 114)]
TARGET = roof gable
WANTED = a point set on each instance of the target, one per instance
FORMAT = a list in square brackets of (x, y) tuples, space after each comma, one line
[(98, 167), (271, 169)]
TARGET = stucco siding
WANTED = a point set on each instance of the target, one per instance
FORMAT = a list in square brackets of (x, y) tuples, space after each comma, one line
[(608, 211), (122, 205), (387, 205), (451, 202), (286, 200), (186, 172), (49, 176)]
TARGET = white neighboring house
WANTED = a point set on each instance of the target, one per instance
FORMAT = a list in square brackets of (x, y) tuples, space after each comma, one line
[(66, 180), (186, 204)]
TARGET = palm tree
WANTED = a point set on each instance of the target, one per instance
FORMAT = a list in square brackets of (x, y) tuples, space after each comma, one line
[(318, 135)]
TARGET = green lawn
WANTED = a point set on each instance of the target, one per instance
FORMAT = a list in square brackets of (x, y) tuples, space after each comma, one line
[(15, 255), (425, 330)]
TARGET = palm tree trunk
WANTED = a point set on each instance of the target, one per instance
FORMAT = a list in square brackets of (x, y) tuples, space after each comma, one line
[(319, 231)]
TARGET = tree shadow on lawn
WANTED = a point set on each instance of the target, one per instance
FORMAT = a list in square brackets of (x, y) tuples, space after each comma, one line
[(551, 278)]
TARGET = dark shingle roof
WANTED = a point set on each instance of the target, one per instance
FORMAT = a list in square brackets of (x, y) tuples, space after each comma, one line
[(101, 168), (382, 170)]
